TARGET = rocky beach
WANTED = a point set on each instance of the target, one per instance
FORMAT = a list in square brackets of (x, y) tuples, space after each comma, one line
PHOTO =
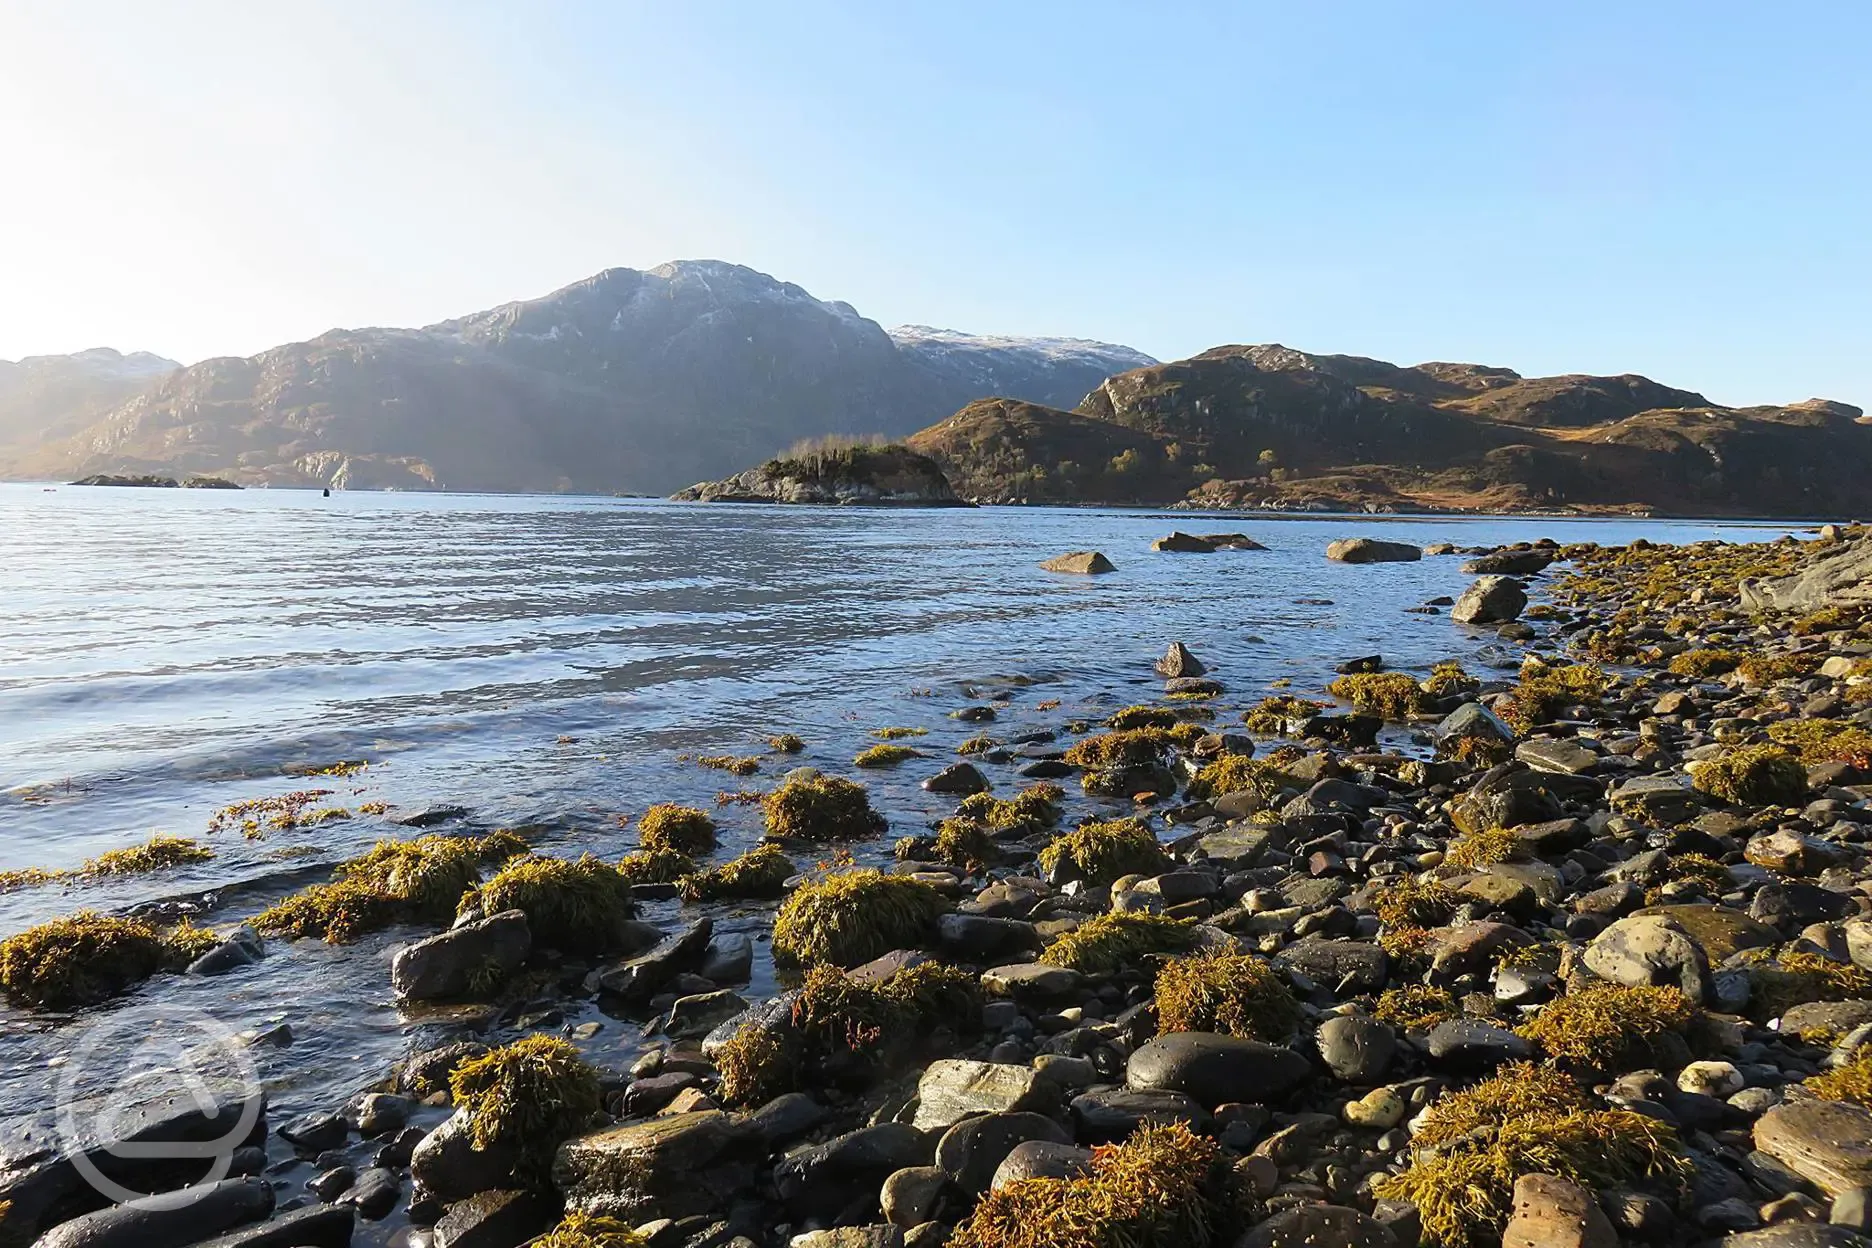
[(1574, 948)]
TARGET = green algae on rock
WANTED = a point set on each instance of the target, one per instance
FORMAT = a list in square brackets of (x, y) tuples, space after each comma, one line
[(809, 806), (419, 881), (85, 958), (853, 917), (577, 906)]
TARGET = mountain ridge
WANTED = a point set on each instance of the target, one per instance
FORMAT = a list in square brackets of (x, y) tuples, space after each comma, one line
[(627, 380)]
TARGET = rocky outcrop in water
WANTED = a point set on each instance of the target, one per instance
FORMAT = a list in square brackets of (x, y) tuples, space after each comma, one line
[(875, 476)]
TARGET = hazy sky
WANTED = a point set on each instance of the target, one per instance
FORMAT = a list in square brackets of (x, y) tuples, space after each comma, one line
[(1679, 189)]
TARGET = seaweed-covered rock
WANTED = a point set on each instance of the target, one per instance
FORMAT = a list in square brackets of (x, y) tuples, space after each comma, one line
[(678, 1166), (475, 956)]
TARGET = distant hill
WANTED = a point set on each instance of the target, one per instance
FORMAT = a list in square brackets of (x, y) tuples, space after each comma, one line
[(628, 381), (44, 398), (1268, 426)]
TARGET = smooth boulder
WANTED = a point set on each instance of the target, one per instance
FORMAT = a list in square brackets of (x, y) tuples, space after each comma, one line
[(1372, 550), (1490, 600), (1079, 562), (1215, 1069)]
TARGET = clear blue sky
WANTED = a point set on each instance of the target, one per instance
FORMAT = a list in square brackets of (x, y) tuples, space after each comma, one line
[(1679, 189)]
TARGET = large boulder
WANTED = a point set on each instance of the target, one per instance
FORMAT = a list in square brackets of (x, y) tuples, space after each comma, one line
[(950, 1091), (186, 1218), (1828, 1143), (454, 963), (1490, 600), (1079, 562), (1842, 577), (973, 1150), (1650, 950), (1215, 1069), (642, 977), (1372, 550), (1552, 1212), (680, 1166), (1510, 563)]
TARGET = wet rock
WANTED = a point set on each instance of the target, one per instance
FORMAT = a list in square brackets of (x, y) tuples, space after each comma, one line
[(1356, 1048), (316, 1133), (1184, 544), (1650, 950), (1178, 661), (1509, 563), (374, 1195), (1041, 1159), (700, 1013), (1790, 852), (1552, 1212), (494, 1220), (675, 1167), (653, 1093), (1720, 930), (203, 1212), (242, 948), (329, 1185), (1105, 1116), (459, 961), (729, 958), (1661, 799), (315, 1226), (972, 1150), (959, 779), (1215, 1069), (787, 1117), (1470, 1044), (1490, 600), (952, 1090), (821, 1177), (448, 1167), (885, 1236), (1081, 562), (914, 1195), (430, 1069), (1347, 967), (428, 816), (1828, 1143), (978, 938), (379, 1113), (1319, 1226), (1795, 1235), (642, 977), (1558, 755), (1032, 981), (1372, 550)]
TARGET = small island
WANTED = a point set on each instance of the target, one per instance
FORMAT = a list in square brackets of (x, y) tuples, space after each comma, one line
[(836, 473), (152, 482)]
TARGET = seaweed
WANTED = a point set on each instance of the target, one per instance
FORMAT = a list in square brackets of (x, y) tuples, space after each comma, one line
[(1611, 1027), (815, 807), (528, 1097), (1392, 695), (684, 829), (87, 957), (1108, 943), (853, 917), (1755, 775), (762, 872), (1237, 994), (1102, 852), (885, 755), (419, 881), (577, 906)]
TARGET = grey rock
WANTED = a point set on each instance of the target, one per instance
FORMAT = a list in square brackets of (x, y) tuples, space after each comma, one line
[(820, 1177), (448, 1167), (913, 1195), (457, 962), (1649, 950), (960, 779), (1347, 967), (1469, 1044), (642, 977), (729, 958), (1178, 661), (1490, 600), (700, 1013), (952, 1090), (1557, 754), (1372, 550), (207, 1211), (1215, 1069), (679, 1166), (972, 1150), (1319, 1226), (315, 1226), (1107, 1115), (1041, 1159), (494, 1220), (1356, 1048), (316, 1133)]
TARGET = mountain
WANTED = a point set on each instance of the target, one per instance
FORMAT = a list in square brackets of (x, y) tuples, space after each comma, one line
[(627, 381), (1269, 426), (49, 397)]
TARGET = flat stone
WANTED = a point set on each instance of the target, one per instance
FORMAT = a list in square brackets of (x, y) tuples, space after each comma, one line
[(1107, 1115), (1215, 1069), (1552, 1212), (1372, 550), (1663, 799), (1032, 980), (818, 1179), (1828, 1143), (952, 1090), (675, 1167), (1557, 754), (1346, 967), (642, 977), (1470, 1044), (697, 1015), (1720, 930), (207, 1211)]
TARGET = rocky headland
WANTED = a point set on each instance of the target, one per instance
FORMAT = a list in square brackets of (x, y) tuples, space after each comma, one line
[(835, 475), (1570, 950)]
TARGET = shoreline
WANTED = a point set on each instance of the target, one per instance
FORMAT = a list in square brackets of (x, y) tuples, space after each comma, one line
[(1319, 889)]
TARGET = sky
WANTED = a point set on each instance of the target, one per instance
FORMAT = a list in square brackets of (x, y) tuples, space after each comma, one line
[(1678, 189)]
